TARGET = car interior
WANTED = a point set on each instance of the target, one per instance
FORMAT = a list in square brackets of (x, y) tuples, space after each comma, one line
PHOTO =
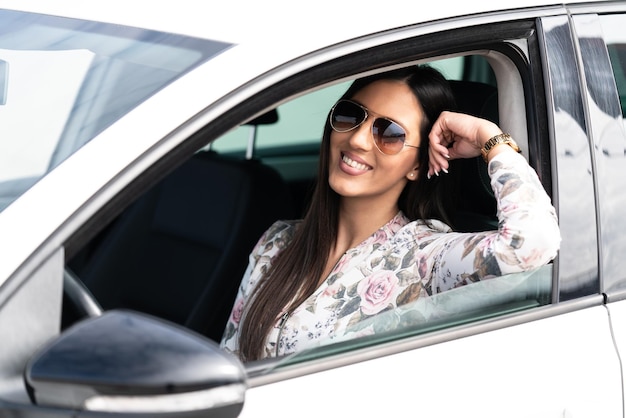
[(180, 250)]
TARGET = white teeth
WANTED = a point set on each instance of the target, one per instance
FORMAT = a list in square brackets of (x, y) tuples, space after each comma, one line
[(354, 164)]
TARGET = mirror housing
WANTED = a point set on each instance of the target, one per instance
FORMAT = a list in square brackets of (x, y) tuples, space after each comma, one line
[(129, 363)]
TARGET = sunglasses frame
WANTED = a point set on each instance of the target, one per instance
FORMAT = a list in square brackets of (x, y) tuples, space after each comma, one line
[(367, 114)]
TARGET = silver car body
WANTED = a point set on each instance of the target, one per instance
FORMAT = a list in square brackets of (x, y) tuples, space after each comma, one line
[(561, 360)]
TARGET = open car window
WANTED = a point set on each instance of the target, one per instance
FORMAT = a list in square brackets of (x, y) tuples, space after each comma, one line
[(481, 300), (171, 239)]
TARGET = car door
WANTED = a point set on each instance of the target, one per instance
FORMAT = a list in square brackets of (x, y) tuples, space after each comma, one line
[(551, 361), (602, 46)]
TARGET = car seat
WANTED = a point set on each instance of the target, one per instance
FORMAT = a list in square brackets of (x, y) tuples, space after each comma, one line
[(180, 251), (476, 201)]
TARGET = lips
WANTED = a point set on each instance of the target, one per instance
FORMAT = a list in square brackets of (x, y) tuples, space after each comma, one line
[(354, 164)]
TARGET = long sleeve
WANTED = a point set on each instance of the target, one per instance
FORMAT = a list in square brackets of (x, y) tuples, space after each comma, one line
[(527, 237)]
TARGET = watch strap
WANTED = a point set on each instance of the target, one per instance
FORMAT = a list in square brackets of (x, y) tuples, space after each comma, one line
[(496, 140)]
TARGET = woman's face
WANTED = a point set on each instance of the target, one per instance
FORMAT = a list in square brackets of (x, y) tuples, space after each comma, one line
[(357, 168)]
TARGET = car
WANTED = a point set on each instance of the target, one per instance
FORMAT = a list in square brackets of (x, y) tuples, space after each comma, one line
[(146, 146)]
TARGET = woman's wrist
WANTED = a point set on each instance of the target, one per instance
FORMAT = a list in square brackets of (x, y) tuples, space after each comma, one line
[(497, 144), (487, 131)]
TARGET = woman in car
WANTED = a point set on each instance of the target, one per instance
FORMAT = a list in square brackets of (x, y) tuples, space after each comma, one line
[(377, 234)]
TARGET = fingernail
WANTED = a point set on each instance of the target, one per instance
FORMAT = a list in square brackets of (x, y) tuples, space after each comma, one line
[(447, 156), (428, 176), (437, 173), (444, 170)]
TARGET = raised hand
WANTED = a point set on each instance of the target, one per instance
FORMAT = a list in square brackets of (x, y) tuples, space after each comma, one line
[(457, 135)]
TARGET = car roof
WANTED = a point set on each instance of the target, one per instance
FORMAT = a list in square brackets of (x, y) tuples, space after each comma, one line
[(323, 22)]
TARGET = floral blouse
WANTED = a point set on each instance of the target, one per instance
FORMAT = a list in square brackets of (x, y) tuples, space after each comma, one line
[(406, 260)]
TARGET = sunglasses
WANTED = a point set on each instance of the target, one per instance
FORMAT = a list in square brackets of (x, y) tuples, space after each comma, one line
[(389, 137)]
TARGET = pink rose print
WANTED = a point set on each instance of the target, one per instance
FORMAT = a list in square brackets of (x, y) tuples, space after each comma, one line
[(237, 312), (376, 291)]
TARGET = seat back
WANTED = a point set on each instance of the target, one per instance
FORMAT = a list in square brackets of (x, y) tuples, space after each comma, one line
[(180, 251), (477, 203)]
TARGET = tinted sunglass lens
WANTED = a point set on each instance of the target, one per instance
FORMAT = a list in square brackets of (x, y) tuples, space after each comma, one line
[(389, 136), (346, 116)]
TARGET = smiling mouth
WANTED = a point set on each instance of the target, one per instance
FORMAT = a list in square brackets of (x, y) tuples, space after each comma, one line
[(354, 164)]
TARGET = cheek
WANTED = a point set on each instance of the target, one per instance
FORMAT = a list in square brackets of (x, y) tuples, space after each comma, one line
[(394, 172), (333, 148), (334, 141), (404, 164), (335, 137)]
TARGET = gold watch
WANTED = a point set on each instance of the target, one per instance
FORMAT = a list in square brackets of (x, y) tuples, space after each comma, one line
[(496, 140)]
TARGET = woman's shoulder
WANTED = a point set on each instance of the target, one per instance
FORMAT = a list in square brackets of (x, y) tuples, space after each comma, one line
[(282, 227), (279, 234)]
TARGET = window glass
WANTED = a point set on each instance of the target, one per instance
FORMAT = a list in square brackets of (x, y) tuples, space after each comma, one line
[(609, 141), (480, 300), (615, 37)]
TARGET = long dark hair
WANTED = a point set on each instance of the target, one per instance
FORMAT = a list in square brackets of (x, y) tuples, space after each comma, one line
[(297, 270)]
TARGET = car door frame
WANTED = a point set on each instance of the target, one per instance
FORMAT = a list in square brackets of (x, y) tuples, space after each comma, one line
[(607, 138), (577, 315)]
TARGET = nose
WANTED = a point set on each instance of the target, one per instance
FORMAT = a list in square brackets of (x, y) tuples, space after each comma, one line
[(361, 137)]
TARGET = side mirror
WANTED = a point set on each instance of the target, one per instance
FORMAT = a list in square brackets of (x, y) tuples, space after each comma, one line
[(129, 363)]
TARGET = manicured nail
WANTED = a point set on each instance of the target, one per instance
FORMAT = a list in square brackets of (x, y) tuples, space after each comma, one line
[(437, 173), (428, 176), (447, 156), (444, 170)]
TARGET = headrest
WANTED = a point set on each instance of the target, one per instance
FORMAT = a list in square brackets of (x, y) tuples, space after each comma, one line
[(477, 99)]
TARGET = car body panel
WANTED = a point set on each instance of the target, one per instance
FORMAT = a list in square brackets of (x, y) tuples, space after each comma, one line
[(617, 312), (37, 326), (551, 378)]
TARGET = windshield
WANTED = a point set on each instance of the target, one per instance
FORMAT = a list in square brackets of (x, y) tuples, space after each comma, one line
[(63, 81)]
